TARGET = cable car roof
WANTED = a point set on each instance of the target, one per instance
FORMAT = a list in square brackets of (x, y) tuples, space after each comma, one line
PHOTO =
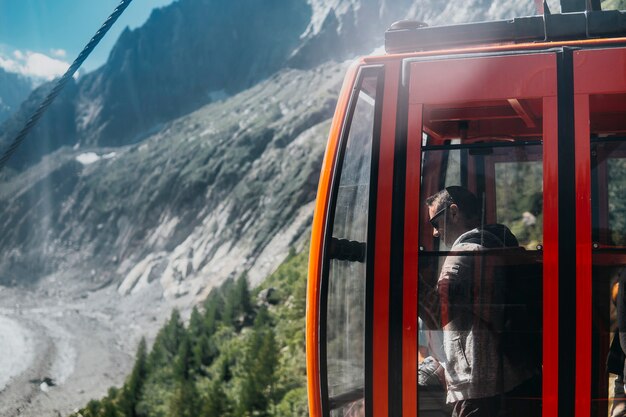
[(412, 36)]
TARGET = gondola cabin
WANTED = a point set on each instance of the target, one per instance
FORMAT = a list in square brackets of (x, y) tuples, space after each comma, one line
[(470, 224)]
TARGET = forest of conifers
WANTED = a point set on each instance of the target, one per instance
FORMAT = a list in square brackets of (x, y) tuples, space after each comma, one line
[(242, 354)]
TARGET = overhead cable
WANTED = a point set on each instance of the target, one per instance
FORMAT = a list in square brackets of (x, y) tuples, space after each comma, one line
[(30, 124)]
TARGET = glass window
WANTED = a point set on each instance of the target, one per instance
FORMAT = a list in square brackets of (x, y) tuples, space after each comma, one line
[(345, 328), (608, 169), (519, 198), (616, 184), (480, 271)]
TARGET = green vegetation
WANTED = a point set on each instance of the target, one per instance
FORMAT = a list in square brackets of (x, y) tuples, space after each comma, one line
[(519, 200), (242, 354), (614, 5), (617, 205)]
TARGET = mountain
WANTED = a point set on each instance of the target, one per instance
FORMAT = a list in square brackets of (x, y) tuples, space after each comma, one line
[(194, 52), (224, 190), (192, 199), (13, 90), (186, 55)]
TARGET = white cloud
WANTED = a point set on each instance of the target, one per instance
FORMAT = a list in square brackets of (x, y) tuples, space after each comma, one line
[(59, 53), (34, 64), (43, 66)]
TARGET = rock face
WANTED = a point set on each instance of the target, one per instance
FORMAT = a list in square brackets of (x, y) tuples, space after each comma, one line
[(225, 190), (193, 154), (186, 55), (194, 52), (13, 90)]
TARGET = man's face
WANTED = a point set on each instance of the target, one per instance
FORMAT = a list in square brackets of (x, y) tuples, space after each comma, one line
[(443, 220)]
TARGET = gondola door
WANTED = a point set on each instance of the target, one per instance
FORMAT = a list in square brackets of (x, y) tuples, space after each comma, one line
[(600, 110), (348, 295), (487, 125)]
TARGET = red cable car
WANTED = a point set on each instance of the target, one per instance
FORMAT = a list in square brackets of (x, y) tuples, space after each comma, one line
[(520, 124)]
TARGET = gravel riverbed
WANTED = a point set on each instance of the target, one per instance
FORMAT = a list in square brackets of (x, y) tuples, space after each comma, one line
[(59, 349)]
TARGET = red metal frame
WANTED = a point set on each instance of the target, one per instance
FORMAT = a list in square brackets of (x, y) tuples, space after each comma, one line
[(380, 342), (411, 260), (550, 384), (482, 79), (583, 255)]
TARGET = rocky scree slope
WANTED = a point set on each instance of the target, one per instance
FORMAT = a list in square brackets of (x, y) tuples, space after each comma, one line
[(225, 190)]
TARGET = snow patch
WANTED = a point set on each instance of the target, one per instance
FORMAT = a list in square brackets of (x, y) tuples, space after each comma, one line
[(88, 158)]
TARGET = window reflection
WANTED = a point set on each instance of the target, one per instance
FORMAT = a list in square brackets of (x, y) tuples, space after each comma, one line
[(480, 278), (608, 169), (345, 324)]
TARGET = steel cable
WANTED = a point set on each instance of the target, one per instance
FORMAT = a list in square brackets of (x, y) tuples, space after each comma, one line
[(62, 81)]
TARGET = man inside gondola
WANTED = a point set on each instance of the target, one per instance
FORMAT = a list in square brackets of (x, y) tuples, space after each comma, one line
[(483, 377)]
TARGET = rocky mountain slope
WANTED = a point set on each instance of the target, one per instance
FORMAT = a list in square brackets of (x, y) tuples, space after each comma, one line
[(128, 193), (13, 90), (224, 190), (194, 52)]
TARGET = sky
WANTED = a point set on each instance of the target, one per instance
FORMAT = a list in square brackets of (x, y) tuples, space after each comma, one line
[(41, 38)]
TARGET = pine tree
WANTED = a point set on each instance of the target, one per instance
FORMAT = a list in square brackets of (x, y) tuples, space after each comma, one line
[(131, 392), (216, 404), (92, 409), (199, 340), (167, 342), (109, 409), (196, 325), (269, 365), (202, 353), (242, 292), (238, 306), (185, 402), (213, 309), (259, 364), (183, 365)]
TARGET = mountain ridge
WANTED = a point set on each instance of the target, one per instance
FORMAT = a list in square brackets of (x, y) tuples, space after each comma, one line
[(174, 197), (14, 89)]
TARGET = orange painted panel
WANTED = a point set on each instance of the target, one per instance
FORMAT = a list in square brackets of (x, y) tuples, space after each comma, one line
[(317, 238)]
